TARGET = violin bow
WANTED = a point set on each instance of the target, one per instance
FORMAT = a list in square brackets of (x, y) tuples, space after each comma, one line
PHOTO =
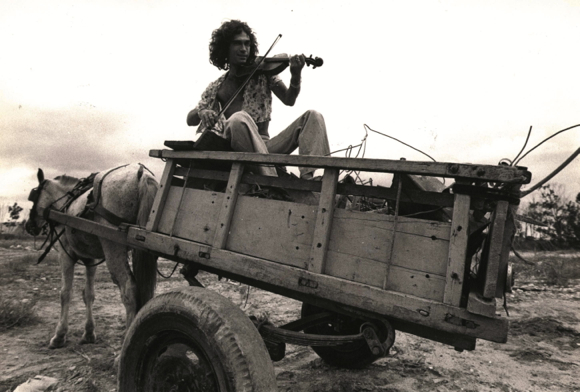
[(227, 105)]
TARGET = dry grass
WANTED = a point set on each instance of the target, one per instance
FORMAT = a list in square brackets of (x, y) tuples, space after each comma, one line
[(552, 270), (17, 313)]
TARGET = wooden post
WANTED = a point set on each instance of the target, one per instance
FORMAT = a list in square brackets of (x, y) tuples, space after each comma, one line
[(185, 180), (496, 246), (457, 250), (323, 221), (508, 235), (161, 196), (395, 221), (228, 206)]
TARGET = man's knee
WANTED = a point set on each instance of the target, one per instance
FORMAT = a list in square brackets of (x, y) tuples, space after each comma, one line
[(313, 114), (240, 117)]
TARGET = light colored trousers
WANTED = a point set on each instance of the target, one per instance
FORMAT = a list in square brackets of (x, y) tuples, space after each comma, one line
[(307, 133)]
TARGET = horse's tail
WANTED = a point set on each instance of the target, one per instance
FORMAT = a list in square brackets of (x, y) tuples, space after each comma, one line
[(145, 263)]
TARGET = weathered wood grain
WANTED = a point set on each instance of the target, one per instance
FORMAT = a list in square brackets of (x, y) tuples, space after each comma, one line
[(159, 203), (457, 250), (496, 236), (375, 300), (228, 206), (324, 217), (502, 173)]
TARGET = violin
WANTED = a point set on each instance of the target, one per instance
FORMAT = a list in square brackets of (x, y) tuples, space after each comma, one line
[(270, 66)]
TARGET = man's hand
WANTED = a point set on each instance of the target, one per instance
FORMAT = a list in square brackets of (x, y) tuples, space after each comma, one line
[(208, 117), (296, 64)]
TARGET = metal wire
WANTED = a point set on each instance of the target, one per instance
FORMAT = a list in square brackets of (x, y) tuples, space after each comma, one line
[(523, 148), (543, 141), (408, 145)]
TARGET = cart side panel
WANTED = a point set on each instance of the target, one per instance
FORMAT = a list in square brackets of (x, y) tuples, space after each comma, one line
[(417, 283), (358, 249), (273, 230), (197, 217)]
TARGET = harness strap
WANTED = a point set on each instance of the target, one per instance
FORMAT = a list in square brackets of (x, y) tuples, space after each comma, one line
[(108, 215), (97, 208), (50, 245)]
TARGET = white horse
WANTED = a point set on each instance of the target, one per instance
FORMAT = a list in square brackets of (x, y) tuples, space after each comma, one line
[(123, 194)]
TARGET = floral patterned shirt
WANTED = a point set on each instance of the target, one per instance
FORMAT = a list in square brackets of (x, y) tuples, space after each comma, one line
[(257, 97)]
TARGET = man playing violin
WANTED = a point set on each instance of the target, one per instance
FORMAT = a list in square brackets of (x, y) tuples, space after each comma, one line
[(245, 122)]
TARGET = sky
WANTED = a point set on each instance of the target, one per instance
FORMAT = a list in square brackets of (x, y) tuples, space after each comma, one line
[(91, 85)]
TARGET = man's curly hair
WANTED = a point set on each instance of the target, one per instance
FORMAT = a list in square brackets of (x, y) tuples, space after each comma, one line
[(221, 39)]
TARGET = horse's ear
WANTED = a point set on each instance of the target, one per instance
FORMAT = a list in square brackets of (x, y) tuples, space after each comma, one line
[(40, 175)]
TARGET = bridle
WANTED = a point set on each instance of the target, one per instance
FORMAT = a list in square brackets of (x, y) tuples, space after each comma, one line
[(53, 236), (33, 197)]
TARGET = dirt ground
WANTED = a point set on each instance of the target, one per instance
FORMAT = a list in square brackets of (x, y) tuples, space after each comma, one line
[(542, 352)]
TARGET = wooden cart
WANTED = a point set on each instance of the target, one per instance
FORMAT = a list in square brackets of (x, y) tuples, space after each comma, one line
[(430, 262)]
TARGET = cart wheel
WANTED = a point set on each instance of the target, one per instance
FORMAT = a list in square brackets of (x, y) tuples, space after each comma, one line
[(351, 355), (194, 340)]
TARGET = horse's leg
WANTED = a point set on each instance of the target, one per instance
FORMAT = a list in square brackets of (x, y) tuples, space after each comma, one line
[(116, 259), (89, 297), (67, 266)]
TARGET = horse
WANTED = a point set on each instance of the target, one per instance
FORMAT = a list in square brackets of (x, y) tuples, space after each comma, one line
[(123, 194)]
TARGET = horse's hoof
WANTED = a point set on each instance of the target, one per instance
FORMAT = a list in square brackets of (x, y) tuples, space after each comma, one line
[(88, 338), (56, 342)]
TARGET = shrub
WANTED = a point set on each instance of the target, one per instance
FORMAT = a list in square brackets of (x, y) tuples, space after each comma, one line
[(16, 313)]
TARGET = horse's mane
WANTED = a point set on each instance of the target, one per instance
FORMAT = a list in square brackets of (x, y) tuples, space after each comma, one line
[(66, 180)]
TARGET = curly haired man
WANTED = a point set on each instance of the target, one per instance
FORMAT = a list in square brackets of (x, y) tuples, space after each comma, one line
[(245, 122)]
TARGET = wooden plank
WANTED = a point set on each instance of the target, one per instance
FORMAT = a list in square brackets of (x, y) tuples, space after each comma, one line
[(159, 203), (478, 305), (420, 244), (355, 268), (417, 283), (457, 250), (272, 229), (228, 206), (357, 238), (271, 275), (422, 197), (98, 229), (420, 253), (498, 173), (323, 226), (509, 230), (496, 237), (197, 217)]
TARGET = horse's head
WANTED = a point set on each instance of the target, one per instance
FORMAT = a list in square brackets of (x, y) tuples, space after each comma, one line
[(39, 198), (48, 194)]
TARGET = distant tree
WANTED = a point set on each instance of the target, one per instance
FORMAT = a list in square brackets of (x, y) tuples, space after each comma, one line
[(572, 222), (15, 211), (561, 216)]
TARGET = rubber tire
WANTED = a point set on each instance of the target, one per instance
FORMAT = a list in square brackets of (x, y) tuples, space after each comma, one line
[(349, 356), (222, 333)]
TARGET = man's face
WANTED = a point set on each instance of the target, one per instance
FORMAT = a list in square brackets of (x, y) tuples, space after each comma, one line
[(239, 49)]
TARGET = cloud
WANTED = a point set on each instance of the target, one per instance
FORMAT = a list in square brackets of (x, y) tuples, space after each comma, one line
[(75, 141), (81, 139)]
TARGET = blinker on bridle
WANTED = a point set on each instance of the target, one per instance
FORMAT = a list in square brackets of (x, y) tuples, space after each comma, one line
[(33, 197)]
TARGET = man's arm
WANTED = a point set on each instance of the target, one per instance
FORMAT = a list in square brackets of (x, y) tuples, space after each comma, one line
[(202, 112), (288, 95), (193, 118)]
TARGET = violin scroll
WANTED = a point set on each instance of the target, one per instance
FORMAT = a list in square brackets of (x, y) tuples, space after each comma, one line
[(315, 62)]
